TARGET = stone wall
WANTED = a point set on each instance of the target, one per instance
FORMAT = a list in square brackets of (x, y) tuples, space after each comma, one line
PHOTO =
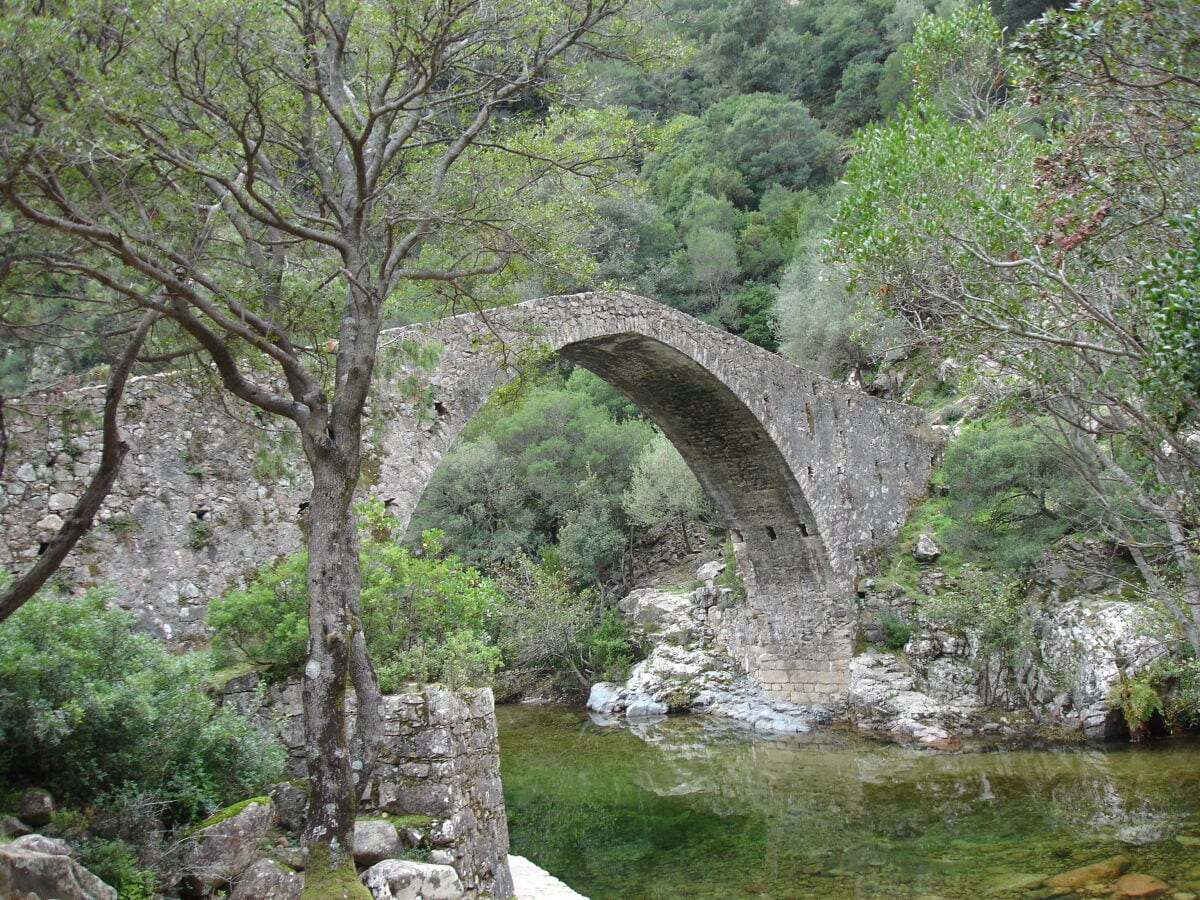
[(441, 759), (207, 494)]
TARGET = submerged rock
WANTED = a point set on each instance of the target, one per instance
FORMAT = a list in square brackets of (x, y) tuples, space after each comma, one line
[(1138, 885), (1097, 873)]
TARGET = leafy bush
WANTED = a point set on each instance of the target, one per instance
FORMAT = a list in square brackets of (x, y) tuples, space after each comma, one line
[(989, 606), (426, 616), (115, 863), (266, 623), (896, 632), (1169, 688), (606, 648), (1010, 495), (94, 711)]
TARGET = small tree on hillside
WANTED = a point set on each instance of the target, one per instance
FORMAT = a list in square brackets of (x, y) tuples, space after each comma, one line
[(267, 177), (664, 489)]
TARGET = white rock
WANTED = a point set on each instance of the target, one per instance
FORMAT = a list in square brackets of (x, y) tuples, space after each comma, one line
[(606, 697), (398, 879)]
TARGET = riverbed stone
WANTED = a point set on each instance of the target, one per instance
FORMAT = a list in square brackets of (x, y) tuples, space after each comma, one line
[(1135, 884), (1097, 873)]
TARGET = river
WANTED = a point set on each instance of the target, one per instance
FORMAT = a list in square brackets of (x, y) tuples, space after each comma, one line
[(693, 807)]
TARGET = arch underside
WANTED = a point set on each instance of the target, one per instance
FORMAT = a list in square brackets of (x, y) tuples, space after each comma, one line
[(748, 480)]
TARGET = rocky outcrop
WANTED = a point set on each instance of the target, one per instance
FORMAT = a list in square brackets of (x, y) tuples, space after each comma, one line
[(1073, 645), (219, 852), (688, 668), (26, 872)]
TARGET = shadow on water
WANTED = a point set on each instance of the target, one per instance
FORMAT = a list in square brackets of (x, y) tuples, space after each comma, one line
[(692, 807)]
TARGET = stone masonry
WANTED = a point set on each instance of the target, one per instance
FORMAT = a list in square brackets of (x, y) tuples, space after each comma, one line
[(440, 759), (813, 478)]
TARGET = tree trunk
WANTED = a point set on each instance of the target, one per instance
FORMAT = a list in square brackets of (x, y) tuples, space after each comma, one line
[(333, 589)]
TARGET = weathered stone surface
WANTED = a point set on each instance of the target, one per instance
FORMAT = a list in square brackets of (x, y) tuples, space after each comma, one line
[(36, 807), (698, 675), (1097, 873), (374, 841), (396, 879), (927, 550), (27, 873), (291, 805), (267, 880), (39, 843), (1138, 885), (218, 853), (1078, 643), (440, 758)]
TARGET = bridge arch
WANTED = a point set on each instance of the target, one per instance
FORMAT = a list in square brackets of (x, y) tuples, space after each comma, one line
[(812, 479)]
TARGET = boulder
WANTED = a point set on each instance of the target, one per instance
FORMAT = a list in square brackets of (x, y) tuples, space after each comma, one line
[(927, 550), (39, 843), (374, 841), (398, 879), (268, 880), (291, 805), (605, 697), (27, 873), (220, 851), (36, 807), (710, 570)]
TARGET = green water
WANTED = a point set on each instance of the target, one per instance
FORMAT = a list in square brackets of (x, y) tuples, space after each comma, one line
[(692, 808)]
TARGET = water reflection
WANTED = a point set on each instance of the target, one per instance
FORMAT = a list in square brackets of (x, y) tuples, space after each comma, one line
[(695, 807)]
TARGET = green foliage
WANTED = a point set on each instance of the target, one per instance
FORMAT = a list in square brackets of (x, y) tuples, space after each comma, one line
[(1010, 495), (1172, 289), (1137, 698), (96, 712), (549, 471), (986, 605), (606, 648), (958, 61), (426, 616), (896, 632), (1169, 687), (731, 576), (266, 622), (115, 863), (663, 489)]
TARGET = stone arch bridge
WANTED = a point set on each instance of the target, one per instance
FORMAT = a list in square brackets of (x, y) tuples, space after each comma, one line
[(812, 479)]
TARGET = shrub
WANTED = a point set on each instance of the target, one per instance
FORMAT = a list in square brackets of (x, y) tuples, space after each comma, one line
[(92, 710), (896, 632), (1010, 495), (426, 616)]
